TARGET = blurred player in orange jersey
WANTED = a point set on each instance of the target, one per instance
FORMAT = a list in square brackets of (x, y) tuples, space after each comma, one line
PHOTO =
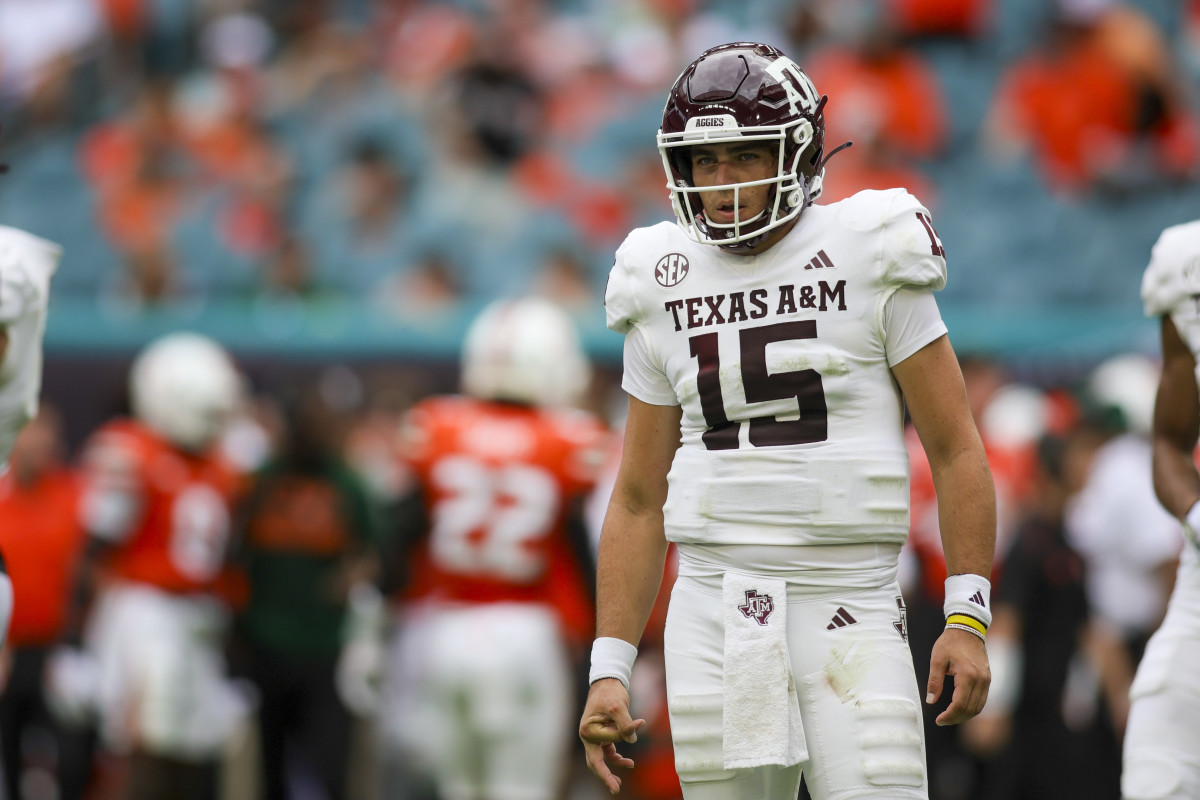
[(498, 582), (156, 505), (42, 541)]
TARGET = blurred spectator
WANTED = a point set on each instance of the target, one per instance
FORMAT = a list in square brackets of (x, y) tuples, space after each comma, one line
[(887, 96), (952, 768), (582, 91), (958, 18), (361, 226), (1035, 743), (1192, 38), (1129, 541), (426, 289), (889, 103), (650, 41), (428, 41), (147, 129), (497, 589), (1099, 102), (498, 105), (138, 212), (151, 278), (873, 166), (307, 538), (156, 508), (565, 280), (596, 210), (42, 542), (288, 272)]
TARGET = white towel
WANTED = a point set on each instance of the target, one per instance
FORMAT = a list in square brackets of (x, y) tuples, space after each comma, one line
[(761, 710)]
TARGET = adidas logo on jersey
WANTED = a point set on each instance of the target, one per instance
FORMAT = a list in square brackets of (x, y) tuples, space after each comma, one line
[(841, 619), (821, 261), (978, 600)]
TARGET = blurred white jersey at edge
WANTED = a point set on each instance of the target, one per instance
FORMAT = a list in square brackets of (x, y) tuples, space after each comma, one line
[(26, 264)]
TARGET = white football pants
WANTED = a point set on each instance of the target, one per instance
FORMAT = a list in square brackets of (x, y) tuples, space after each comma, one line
[(1161, 759), (482, 695), (857, 690), (162, 679)]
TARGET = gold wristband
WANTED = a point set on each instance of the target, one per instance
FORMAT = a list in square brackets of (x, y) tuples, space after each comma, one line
[(962, 620)]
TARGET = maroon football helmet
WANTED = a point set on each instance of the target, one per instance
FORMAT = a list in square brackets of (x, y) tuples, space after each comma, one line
[(736, 92)]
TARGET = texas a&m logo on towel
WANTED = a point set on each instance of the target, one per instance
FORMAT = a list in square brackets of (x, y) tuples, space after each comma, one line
[(757, 606)]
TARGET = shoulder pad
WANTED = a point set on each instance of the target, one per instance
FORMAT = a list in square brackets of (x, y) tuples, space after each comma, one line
[(911, 251), (632, 268), (26, 264), (1173, 274)]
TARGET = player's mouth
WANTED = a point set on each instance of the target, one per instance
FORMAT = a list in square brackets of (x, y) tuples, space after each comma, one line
[(727, 212)]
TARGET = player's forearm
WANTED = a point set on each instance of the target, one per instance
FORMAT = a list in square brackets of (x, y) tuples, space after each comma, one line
[(1176, 481), (967, 512), (629, 571)]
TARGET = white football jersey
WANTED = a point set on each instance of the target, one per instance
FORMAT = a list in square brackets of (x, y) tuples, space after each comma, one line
[(26, 264), (1171, 284), (1161, 737), (792, 427)]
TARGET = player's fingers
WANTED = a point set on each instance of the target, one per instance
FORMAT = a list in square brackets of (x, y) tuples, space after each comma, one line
[(970, 693), (629, 731), (599, 728), (937, 677), (626, 726), (616, 759), (956, 711), (594, 754), (979, 695)]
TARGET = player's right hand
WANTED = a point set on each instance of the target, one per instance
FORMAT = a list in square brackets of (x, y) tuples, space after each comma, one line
[(605, 722)]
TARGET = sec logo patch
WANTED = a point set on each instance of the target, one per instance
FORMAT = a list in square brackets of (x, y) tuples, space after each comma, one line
[(671, 270)]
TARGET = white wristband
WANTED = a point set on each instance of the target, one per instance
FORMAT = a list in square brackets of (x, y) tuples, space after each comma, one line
[(969, 595), (1191, 525), (612, 658)]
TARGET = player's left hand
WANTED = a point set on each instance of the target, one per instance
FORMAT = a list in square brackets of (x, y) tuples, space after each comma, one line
[(605, 722), (964, 656)]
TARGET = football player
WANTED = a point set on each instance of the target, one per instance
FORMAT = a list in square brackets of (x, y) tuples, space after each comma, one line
[(771, 348), (26, 266), (1162, 741), (499, 594), (156, 506)]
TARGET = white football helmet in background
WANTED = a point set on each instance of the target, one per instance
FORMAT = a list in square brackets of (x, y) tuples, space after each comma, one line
[(1128, 384), (185, 386), (525, 351)]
